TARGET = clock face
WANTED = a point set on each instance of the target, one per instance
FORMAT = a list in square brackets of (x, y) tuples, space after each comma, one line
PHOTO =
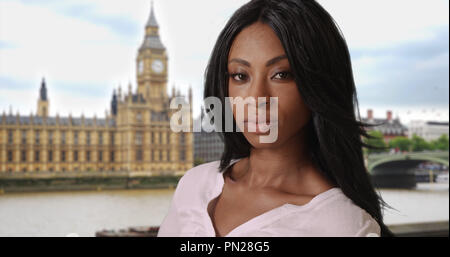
[(157, 66)]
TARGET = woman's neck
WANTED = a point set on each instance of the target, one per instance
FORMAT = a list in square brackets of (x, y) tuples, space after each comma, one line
[(272, 167)]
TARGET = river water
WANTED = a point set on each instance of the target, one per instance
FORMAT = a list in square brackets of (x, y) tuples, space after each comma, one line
[(84, 213)]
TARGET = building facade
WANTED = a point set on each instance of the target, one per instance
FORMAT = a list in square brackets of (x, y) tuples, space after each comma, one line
[(428, 130), (389, 127), (134, 136), (208, 146)]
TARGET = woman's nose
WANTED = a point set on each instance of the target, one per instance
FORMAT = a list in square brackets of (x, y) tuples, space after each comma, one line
[(259, 91)]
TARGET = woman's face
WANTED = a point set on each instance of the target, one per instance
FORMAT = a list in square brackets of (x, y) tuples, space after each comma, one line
[(258, 67)]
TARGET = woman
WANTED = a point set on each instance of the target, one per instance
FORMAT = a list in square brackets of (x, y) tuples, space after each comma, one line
[(311, 181)]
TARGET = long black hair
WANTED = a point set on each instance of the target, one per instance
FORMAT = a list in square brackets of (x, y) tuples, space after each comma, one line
[(321, 66)]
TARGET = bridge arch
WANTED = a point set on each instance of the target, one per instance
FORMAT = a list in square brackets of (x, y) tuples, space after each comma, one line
[(410, 156)]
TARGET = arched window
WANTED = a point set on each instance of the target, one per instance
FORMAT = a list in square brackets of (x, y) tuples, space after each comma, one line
[(23, 156), (37, 137), (75, 156), (100, 138), (75, 138), (50, 137), (10, 137), (139, 155), (138, 138), (139, 117), (63, 137), (112, 138), (182, 138), (36, 156), (24, 137), (182, 155), (88, 137), (63, 156)]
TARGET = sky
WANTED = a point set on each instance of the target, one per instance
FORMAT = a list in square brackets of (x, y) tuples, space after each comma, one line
[(87, 48)]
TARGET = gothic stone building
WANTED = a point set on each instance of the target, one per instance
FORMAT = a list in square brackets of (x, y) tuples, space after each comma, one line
[(134, 136), (208, 146)]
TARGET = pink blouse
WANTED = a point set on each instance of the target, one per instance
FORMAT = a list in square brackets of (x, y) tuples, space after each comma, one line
[(330, 213)]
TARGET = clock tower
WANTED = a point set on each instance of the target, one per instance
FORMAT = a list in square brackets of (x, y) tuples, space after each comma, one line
[(151, 64)]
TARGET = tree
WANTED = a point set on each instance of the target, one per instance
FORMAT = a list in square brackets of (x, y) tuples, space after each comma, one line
[(376, 141), (419, 144), (402, 143), (198, 161), (441, 143)]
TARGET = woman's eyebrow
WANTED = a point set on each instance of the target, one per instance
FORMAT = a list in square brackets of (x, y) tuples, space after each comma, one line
[(275, 60), (241, 61), (270, 62)]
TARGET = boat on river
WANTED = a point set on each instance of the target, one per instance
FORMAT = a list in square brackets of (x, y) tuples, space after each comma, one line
[(144, 231)]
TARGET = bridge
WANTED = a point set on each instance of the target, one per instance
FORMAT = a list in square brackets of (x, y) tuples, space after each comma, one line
[(396, 170)]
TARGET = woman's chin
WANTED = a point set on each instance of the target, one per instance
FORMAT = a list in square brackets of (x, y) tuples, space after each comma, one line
[(255, 140)]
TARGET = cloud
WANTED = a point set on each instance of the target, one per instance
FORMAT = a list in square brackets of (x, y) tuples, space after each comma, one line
[(381, 23), (435, 44), (5, 44), (71, 52), (399, 52), (408, 73), (117, 24), (95, 42), (112, 14)]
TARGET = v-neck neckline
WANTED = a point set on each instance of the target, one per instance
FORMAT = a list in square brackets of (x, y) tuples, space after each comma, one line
[(263, 218)]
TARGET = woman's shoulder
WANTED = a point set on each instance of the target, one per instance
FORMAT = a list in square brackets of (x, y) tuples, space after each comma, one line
[(197, 182), (202, 172), (340, 215), (207, 172)]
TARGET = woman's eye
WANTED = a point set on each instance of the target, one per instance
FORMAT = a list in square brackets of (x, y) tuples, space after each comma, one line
[(238, 76), (282, 75)]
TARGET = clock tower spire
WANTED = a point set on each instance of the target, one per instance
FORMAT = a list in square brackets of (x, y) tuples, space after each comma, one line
[(151, 63), (43, 100)]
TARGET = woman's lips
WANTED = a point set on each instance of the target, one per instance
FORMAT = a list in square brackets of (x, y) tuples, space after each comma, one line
[(259, 128)]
